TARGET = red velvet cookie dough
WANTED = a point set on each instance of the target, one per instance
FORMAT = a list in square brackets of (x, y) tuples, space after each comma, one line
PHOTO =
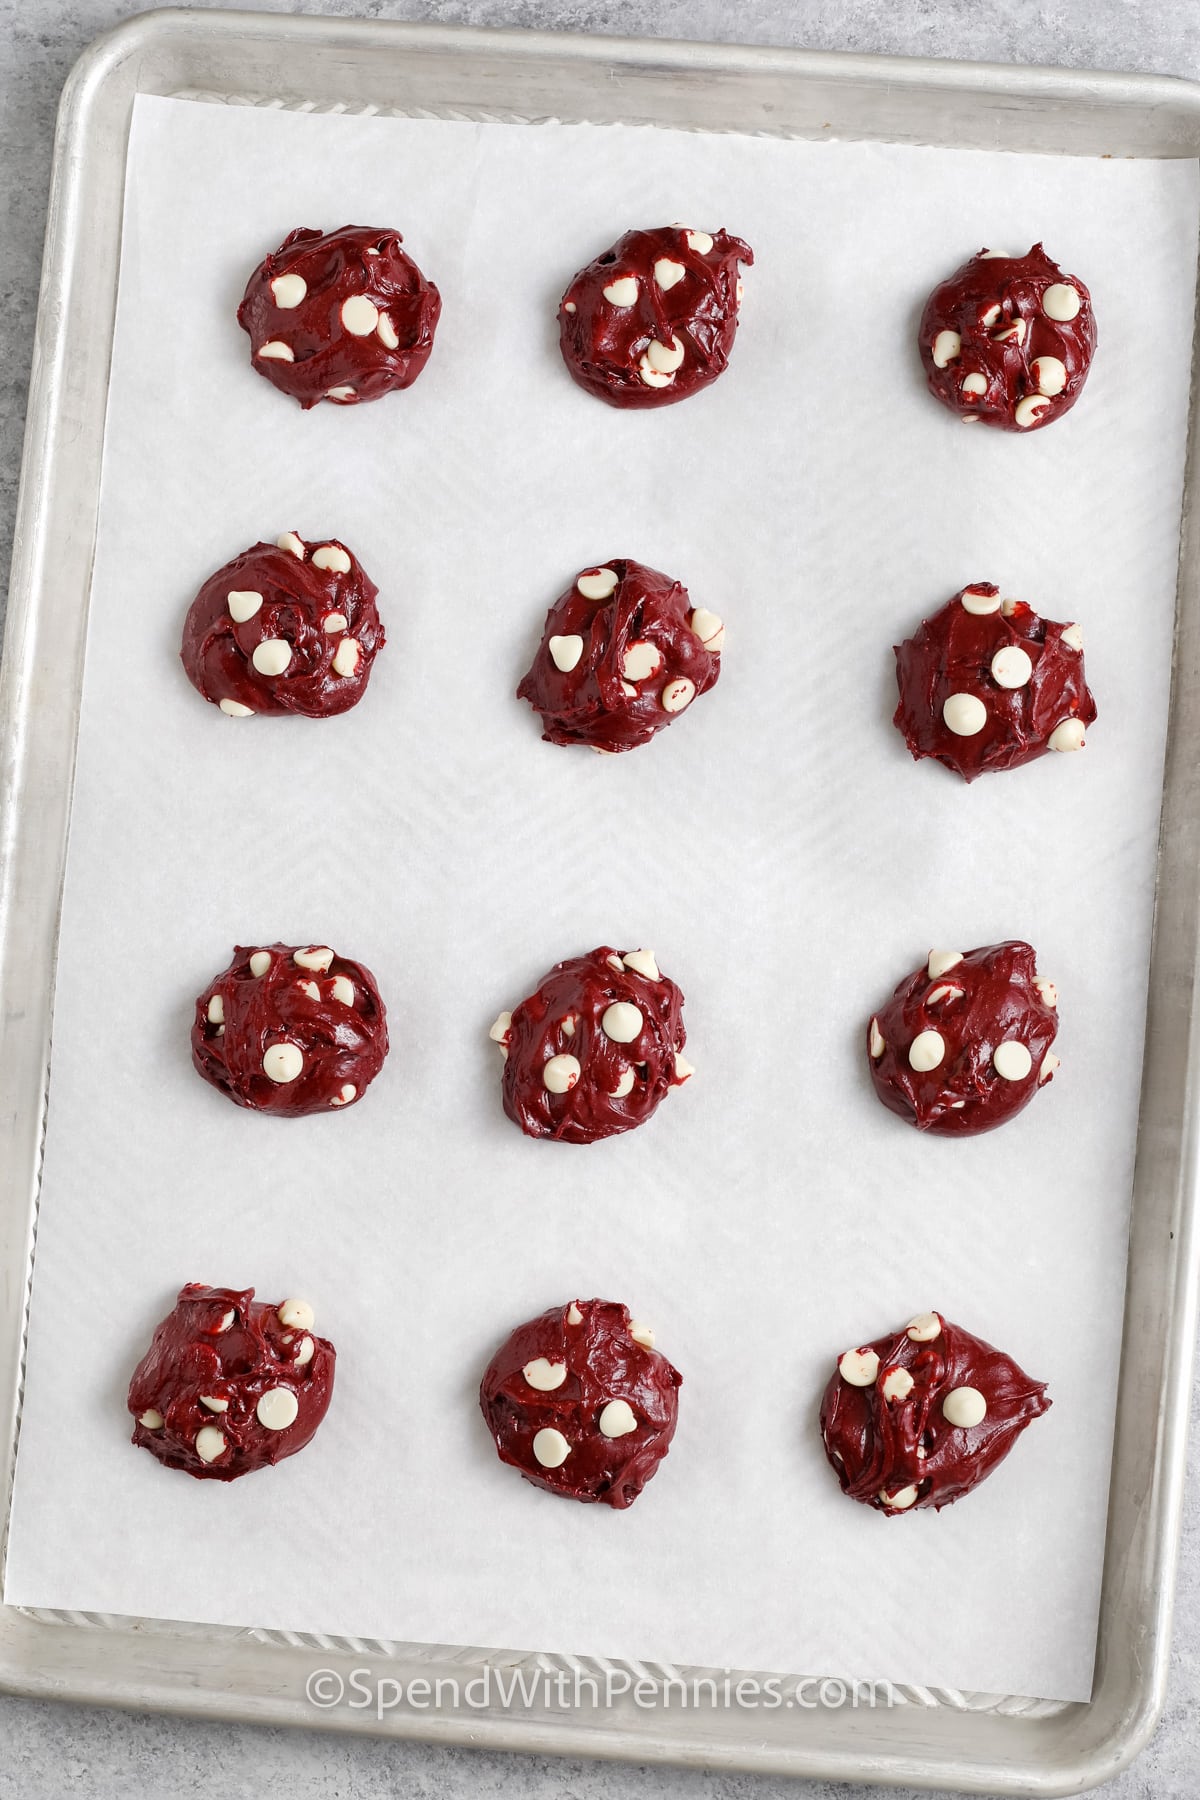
[(986, 684), (228, 1386), (1009, 340), (653, 319), (922, 1416), (343, 316), (964, 1044), (595, 1049), (582, 1403), (289, 627), (290, 1029), (623, 653)]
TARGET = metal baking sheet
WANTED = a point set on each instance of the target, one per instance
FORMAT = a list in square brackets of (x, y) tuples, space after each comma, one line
[(520, 77)]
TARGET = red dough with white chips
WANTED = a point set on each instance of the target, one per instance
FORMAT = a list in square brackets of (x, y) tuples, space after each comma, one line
[(343, 316), (986, 684), (1008, 340), (595, 1049), (230, 1385), (922, 1416), (581, 1402), (289, 627), (964, 1044), (623, 653), (653, 319)]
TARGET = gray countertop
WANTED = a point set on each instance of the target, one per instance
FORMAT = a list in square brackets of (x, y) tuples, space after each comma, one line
[(55, 1751)]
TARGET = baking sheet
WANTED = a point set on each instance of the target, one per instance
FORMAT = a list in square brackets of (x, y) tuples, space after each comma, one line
[(777, 848)]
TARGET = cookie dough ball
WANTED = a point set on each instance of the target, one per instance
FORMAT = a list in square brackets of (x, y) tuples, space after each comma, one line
[(582, 1403), (289, 627), (963, 1045), (290, 1030), (1009, 340), (653, 319), (595, 1049), (343, 316), (228, 1386), (624, 652), (986, 684), (922, 1416)]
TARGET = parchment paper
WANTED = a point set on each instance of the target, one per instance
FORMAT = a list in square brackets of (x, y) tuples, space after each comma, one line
[(777, 848)]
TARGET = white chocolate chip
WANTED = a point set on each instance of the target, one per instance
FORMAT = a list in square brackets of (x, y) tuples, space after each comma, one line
[(624, 1085), (1014, 332), (288, 291), (243, 603), (974, 384), (311, 989), (217, 1406), (345, 657), (304, 1351), (348, 1093), (597, 584), (277, 1409), (334, 621), (1061, 302), (668, 274), (544, 1375), (709, 628), (289, 541), (574, 1316), (1029, 410), (665, 358), (210, 1443), (965, 714), (878, 1042), (941, 962), (699, 241), (1047, 990), (226, 1320), (924, 1328), (282, 1063), (859, 1367), (897, 1384), (991, 255), (550, 1447), (642, 963), (1012, 667), (297, 1315), (568, 1025), (260, 962), (641, 1334), (677, 694), (1050, 1062), (341, 394), (1012, 1060), (947, 345), (500, 1029), (617, 1419), (1009, 607), (565, 652), (651, 376), (276, 352), (151, 1419), (317, 956), (343, 990), (272, 656), (947, 991), (615, 964), (235, 710), (1050, 374), (216, 1010), (683, 1068), (622, 292), (1073, 637), (388, 335), (360, 316), (901, 1500), (332, 557), (1068, 735), (927, 1051), (622, 1022), (642, 659), (980, 604), (965, 1407), (569, 306), (561, 1073)]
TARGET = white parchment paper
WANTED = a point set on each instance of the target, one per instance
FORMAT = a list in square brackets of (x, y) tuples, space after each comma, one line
[(778, 849)]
